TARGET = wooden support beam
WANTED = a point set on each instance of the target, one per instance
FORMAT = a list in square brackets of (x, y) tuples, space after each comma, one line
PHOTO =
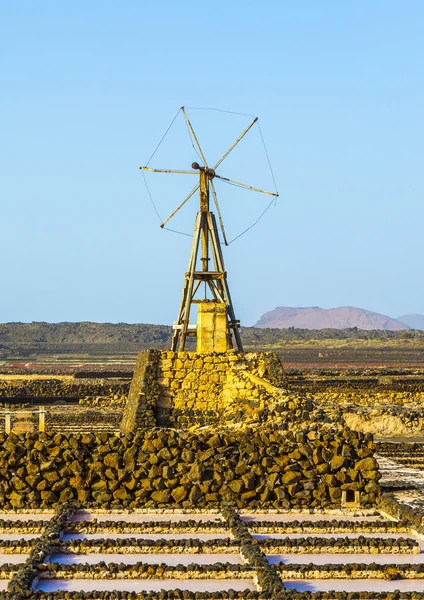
[(206, 249)]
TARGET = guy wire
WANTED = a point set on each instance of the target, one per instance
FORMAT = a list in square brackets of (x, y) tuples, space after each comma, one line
[(163, 137), (230, 112), (267, 156), (179, 232), (157, 212), (151, 198), (255, 223)]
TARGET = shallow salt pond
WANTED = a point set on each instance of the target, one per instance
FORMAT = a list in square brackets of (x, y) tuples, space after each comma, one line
[(337, 536), (4, 537), (147, 517), (3, 585), (25, 516), (343, 559), (14, 559), (146, 536), (290, 517), (146, 585), (154, 559), (356, 585)]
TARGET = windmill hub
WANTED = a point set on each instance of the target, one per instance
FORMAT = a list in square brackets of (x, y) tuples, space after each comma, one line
[(209, 172)]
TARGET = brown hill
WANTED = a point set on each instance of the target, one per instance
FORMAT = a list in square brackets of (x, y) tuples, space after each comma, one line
[(314, 317)]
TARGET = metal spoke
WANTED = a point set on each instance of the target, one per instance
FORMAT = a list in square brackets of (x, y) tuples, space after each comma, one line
[(196, 141), (248, 187), (231, 148), (168, 171), (218, 210), (193, 191)]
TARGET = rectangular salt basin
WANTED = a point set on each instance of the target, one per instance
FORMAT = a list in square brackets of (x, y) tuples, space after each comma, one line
[(290, 517), (3, 585), (152, 559), (337, 536), (146, 536), (4, 537), (355, 585), (14, 559), (144, 585), (26, 517), (146, 517), (344, 559)]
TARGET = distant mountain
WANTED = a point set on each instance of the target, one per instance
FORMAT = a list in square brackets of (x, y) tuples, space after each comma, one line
[(314, 317), (414, 321)]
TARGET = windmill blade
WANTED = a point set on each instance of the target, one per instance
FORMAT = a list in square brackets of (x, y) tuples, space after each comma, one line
[(218, 210), (231, 148), (193, 191), (248, 187), (168, 171), (196, 141)]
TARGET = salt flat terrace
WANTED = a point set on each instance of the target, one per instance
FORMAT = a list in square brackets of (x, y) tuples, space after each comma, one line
[(132, 559), (145, 536), (128, 585), (145, 517), (402, 467), (370, 585), (205, 552)]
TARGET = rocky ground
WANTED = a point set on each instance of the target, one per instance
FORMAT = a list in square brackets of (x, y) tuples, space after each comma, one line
[(296, 555)]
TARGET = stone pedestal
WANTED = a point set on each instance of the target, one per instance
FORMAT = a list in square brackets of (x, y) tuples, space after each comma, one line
[(211, 327)]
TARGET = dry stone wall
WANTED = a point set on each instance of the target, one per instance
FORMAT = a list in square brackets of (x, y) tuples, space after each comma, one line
[(53, 389), (140, 408), (250, 467), (182, 389)]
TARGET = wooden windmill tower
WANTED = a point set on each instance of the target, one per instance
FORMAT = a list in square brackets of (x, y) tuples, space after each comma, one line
[(217, 328)]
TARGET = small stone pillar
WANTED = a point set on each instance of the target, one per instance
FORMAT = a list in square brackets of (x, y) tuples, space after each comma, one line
[(211, 327)]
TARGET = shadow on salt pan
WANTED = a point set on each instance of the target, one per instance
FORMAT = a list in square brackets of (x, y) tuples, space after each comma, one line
[(147, 585)]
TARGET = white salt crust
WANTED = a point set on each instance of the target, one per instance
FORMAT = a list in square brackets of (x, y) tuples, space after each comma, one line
[(140, 517), (343, 559), (153, 559), (14, 559), (18, 536), (145, 585), (26, 516), (355, 585), (290, 517), (337, 536), (146, 536)]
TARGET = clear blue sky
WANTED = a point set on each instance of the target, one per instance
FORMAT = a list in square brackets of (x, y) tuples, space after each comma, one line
[(87, 90)]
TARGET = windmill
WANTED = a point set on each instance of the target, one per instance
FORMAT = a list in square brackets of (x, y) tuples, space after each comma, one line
[(206, 263)]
